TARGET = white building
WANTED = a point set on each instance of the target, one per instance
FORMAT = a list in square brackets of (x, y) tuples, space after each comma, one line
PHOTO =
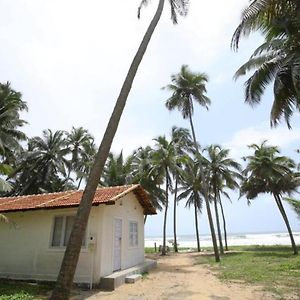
[(33, 243)]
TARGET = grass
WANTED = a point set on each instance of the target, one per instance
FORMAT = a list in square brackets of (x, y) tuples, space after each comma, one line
[(15, 290), (273, 267)]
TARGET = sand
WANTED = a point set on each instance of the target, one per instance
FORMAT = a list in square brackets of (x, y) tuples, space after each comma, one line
[(178, 277)]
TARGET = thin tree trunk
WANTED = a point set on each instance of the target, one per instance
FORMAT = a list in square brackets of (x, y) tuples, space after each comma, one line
[(163, 251), (66, 274), (174, 217), (145, 218), (205, 193), (224, 225), (218, 223), (196, 225), (285, 218)]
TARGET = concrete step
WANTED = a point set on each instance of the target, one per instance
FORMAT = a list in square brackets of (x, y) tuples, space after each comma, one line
[(116, 279), (133, 278)]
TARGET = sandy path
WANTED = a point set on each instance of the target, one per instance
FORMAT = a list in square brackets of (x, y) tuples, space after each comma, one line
[(176, 277)]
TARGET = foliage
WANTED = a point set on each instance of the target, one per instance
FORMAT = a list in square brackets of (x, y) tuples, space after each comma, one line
[(273, 267), (277, 59), (295, 204)]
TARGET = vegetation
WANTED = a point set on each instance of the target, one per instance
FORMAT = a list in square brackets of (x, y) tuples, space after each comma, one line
[(186, 88), (267, 172), (68, 267), (277, 59), (272, 267), (10, 290)]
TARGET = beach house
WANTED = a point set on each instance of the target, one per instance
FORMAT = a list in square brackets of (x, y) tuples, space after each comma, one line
[(34, 241)]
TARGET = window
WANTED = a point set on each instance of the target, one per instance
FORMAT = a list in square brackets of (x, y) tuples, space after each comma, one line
[(61, 231), (133, 234)]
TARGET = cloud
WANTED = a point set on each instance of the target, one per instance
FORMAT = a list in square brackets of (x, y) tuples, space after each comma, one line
[(281, 137)]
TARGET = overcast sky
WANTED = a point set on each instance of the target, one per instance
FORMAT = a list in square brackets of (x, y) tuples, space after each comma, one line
[(69, 58)]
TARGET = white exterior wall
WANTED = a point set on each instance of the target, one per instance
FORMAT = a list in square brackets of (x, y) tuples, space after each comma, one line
[(26, 252), (127, 209)]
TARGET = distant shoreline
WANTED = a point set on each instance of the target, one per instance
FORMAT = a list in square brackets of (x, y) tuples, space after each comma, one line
[(237, 239)]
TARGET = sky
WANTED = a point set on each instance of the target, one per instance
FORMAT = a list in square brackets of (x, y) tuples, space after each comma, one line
[(69, 58)]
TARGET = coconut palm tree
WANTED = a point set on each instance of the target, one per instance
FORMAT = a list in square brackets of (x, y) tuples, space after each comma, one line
[(42, 164), (11, 105), (183, 144), (164, 162), (144, 173), (117, 170), (191, 190), (277, 59), (186, 88), (267, 172), (69, 263), (84, 165), (222, 172), (77, 141)]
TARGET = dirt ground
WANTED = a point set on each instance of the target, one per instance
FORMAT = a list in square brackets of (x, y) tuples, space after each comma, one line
[(177, 277)]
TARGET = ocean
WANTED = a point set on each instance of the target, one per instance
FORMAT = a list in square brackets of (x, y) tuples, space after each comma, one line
[(236, 239)]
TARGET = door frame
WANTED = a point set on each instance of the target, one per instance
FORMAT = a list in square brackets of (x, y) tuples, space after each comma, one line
[(121, 245)]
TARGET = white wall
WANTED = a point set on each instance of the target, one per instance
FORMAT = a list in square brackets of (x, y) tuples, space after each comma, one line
[(128, 209), (25, 251)]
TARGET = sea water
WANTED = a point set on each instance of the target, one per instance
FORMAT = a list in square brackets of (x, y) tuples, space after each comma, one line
[(236, 239)]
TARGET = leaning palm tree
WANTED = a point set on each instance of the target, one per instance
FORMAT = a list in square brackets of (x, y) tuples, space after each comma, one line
[(186, 88), (267, 172), (222, 171), (69, 263), (277, 59)]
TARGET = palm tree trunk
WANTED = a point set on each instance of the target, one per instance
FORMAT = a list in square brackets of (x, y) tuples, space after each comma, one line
[(196, 225), (224, 225), (285, 218), (69, 263), (218, 223), (205, 193), (174, 218), (163, 251)]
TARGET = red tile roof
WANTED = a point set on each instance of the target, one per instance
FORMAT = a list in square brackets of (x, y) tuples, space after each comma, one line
[(106, 195)]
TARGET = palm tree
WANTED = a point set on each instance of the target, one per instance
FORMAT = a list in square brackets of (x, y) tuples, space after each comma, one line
[(42, 164), (164, 162), (77, 141), (188, 87), (192, 187), (182, 143), (85, 164), (277, 59), (267, 172), (117, 171), (11, 105), (222, 171), (69, 263), (143, 172)]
